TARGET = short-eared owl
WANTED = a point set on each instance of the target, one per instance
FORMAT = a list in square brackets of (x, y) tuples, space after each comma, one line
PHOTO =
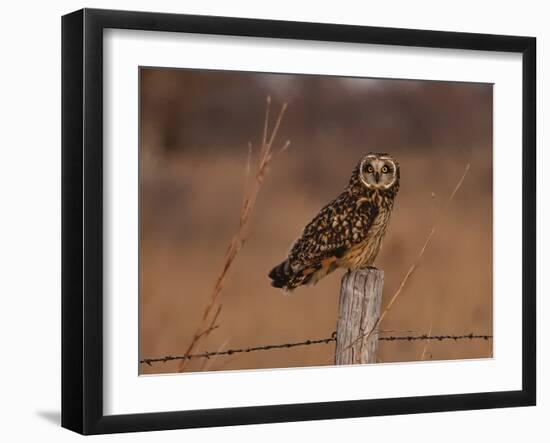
[(347, 233)]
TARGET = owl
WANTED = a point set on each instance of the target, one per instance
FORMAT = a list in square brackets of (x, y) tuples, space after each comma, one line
[(347, 233)]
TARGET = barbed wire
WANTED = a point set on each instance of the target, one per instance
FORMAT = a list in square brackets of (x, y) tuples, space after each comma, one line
[(332, 338), (470, 336)]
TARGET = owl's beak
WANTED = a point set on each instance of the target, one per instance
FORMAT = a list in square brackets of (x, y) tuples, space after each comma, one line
[(377, 176)]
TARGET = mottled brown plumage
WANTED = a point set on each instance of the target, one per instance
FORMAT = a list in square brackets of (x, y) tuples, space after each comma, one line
[(348, 232)]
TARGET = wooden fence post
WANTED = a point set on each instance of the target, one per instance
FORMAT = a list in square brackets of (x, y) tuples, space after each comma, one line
[(359, 309)]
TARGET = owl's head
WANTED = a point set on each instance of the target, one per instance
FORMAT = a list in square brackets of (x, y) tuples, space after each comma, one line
[(379, 171)]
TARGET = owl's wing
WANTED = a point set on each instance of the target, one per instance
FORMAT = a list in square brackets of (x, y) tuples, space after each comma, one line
[(340, 225)]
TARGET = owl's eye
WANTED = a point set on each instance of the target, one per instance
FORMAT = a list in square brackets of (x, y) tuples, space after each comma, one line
[(385, 170), (370, 169)]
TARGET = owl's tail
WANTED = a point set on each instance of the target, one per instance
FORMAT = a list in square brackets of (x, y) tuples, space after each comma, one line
[(281, 276)]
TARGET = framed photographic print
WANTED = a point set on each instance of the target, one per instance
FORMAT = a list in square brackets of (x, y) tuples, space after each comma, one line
[(269, 221)]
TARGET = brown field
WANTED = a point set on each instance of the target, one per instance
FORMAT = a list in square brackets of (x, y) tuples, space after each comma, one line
[(195, 127)]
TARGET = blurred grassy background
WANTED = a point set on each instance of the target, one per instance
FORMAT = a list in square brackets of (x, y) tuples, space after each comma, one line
[(194, 129)]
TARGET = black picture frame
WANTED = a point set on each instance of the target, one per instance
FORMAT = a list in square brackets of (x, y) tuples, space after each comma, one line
[(82, 220)]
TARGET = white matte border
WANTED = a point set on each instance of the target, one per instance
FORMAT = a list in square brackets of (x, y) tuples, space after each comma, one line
[(126, 392)]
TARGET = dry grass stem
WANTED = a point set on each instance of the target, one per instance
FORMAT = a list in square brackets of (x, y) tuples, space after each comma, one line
[(414, 265), (427, 342), (210, 317), (207, 363)]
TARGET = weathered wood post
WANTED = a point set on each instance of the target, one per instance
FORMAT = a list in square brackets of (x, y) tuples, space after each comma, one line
[(359, 309)]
